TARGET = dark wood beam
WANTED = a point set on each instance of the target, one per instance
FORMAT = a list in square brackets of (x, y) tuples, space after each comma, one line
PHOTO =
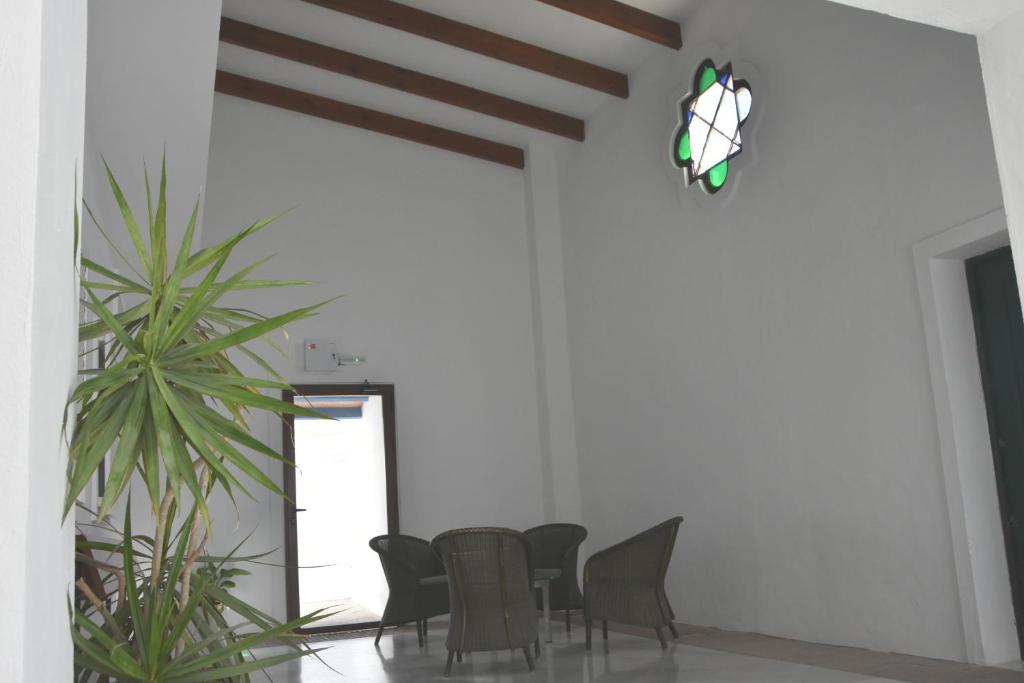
[(625, 18), (407, 80), (368, 119), (481, 41)]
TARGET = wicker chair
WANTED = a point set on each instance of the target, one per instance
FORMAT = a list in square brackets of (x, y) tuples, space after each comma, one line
[(406, 560), (556, 546), (490, 580), (626, 582)]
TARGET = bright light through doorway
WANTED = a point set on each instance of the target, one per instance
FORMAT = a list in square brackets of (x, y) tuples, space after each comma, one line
[(340, 483)]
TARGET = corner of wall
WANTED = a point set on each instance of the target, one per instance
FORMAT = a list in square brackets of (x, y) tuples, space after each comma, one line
[(556, 416), (159, 101), (1002, 65)]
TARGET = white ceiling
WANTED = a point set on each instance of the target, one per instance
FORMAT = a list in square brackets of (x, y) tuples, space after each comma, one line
[(966, 16), (533, 22)]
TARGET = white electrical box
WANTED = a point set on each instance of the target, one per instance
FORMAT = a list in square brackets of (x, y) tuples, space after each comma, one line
[(321, 355)]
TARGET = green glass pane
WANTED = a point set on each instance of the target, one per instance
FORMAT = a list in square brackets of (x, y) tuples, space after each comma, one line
[(718, 174), (684, 147), (707, 77)]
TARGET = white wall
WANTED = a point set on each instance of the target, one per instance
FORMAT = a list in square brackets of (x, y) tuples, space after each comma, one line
[(430, 250), (150, 72), (757, 362), (1002, 61), (42, 85)]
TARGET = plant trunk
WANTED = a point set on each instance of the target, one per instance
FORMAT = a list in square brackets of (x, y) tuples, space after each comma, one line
[(195, 547), (159, 535)]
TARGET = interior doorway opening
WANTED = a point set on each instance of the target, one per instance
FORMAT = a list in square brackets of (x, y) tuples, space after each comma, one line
[(979, 552), (341, 486), (999, 328)]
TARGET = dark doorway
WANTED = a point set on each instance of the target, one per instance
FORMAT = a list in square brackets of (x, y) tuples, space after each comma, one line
[(999, 328), (342, 490)]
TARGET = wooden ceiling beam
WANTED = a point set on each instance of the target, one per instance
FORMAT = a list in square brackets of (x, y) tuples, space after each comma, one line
[(483, 42), (368, 119), (625, 18), (399, 78)]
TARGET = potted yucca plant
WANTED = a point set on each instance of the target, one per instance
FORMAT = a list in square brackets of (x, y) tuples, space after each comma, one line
[(170, 406)]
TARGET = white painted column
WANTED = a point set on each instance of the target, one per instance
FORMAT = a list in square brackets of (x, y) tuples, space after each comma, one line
[(1002, 64), (559, 457), (20, 42), (42, 86)]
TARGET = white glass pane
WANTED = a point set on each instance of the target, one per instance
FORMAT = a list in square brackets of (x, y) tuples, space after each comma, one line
[(707, 104), (716, 151), (743, 100), (698, 137), (726, 121)]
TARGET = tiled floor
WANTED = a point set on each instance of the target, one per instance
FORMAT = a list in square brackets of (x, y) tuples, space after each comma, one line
[(345, 611), (623, 658)]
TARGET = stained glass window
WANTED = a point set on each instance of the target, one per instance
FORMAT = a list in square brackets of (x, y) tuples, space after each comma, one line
[(710, 118)]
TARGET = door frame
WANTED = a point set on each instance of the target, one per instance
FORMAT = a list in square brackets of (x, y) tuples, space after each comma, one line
[(979, 554), (1003, 494), (291, 550)]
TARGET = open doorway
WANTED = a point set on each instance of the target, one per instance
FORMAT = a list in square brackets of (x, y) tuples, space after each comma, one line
[(979, 550), (342, 491), (999, 328)]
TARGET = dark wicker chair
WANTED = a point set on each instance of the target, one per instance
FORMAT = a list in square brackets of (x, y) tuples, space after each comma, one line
[(490, 580), (86, 571), (626, 582), (406, 560), (556, 546)]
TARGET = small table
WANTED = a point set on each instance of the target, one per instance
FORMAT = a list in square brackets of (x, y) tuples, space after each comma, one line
[(542, 579)]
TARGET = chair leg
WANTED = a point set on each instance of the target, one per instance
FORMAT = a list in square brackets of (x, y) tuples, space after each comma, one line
[(672, 627), (567, 629), (587, 625), (419, 633), (604, 630), (529, 658), (458, 656), (536, 648), (661, 637), (448, 666), (380, 631), (424, 628)]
